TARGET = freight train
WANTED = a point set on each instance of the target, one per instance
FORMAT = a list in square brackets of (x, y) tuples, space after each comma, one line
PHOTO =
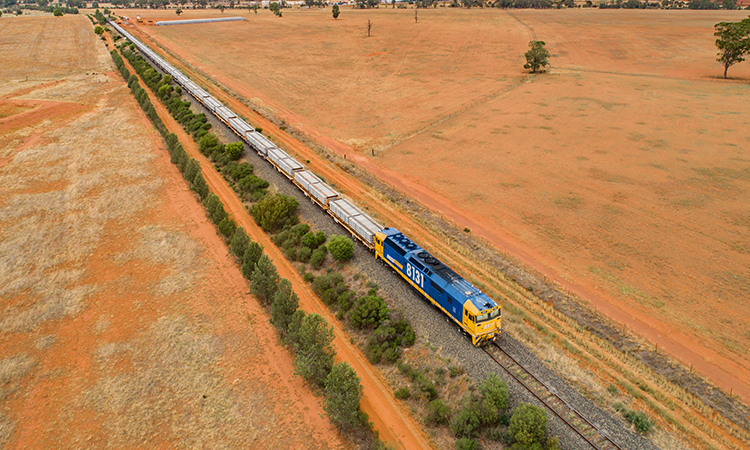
[(476, 314)]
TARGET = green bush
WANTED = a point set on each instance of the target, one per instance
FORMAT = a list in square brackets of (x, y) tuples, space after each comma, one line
[(341, 248), (237, 171), (234, 150), (640, 421), (303, 254), (466, 444), (437, 413), (493, 399), (329, 287), (318, 257), (274, 212), (313, 240), (528, 424), (252, 254), (209, 144), (402, 394), (465, 423), (368, 313)]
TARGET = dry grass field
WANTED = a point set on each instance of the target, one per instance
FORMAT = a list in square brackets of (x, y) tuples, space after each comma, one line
[(124, 324), (622, 173)]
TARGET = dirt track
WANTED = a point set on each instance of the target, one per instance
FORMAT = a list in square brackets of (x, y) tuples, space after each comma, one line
[(588, 227), (393, 425), (107, 263)]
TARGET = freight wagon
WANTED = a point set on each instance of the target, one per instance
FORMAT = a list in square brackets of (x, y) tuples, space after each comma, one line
[(476, 314)]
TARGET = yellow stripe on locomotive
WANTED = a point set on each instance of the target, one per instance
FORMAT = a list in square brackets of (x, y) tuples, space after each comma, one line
[(471, 309)]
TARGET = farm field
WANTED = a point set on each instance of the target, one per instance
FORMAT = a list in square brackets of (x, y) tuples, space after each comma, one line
[(124, 321), (622, 174)]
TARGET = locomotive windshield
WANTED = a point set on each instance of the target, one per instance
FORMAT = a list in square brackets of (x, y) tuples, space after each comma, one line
[(488, 316)]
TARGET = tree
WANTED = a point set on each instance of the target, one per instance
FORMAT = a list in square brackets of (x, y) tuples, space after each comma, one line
[(274, 7), (466, 444), (178, 11), (729, 4), (234, 150), (465, 423), (314, 350), (238, 244), (369, 313), (265, 280), (98, 30), (733, 42), (536, 57), (343, 394), (93, 4), (274, 212), (192, 168), (369, 27), (57, 12), (254, 7), (494, 394), (200, 186), (221, 8), (335, 11), (284, 305), (341, 248), (528, 424), (208, 144)]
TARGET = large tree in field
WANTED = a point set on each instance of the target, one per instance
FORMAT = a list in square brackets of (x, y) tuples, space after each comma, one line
[(733, 42), (343, 393), (537, 56)]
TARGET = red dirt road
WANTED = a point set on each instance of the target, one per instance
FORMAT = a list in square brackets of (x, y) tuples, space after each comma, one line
[(392, 423)]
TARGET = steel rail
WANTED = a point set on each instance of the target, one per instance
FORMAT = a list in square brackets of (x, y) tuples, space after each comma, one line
[(605, 442)]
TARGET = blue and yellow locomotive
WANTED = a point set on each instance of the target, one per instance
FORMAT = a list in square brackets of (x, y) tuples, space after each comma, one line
[(473, 311)]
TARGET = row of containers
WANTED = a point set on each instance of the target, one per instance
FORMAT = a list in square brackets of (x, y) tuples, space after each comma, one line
[(360, 225)]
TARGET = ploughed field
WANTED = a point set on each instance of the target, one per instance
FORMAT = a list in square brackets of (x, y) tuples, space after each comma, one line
[(622, 173), (124, 321)]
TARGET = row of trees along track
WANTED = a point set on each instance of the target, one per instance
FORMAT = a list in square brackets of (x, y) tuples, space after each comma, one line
[(392, 424), (675, 409)]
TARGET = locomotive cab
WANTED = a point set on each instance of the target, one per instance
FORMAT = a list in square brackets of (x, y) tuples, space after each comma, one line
[(483, 325)]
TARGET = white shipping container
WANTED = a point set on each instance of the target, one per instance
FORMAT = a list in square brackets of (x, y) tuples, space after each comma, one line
[(365, 227), (324, 193), (211, 103), (276, 155), (225, 113), (306, 178), (240, 126), (286, 167), (294, 165), (344, 209)]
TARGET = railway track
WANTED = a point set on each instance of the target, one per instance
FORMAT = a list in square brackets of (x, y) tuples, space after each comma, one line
[(594, 436)]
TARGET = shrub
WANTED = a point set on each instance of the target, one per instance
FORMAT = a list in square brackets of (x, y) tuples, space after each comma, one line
[(299, 230), (402, 394), (329, 287), (313, 240), (466, 444), (209, 144), (215, 208), (368, 313), (274, 212), (553, 443), (639, 420), (493, 399), (234, 150), (303, 254), (465, 423), (343, 394), (341, 247), (528, 424), (318, 257), (252, 255), (437, 413), (237, 171)]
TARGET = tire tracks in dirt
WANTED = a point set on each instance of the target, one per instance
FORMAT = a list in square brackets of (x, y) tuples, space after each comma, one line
[(392, 423)]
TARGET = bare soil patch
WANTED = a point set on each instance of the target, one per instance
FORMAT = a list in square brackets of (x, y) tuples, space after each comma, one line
[(621, 175), (125, 322)]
